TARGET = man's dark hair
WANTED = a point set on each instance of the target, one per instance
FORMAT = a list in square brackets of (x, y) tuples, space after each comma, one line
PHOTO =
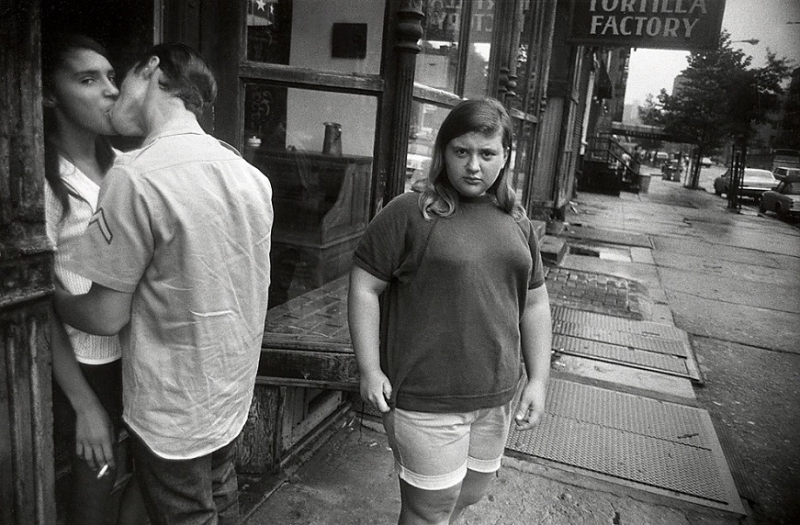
[(186, 75)]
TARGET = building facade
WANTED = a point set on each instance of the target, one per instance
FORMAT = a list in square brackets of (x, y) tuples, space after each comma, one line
[(338, 103)]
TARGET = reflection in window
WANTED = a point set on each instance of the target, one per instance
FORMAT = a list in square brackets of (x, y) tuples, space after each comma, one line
[(426, 119), (440, 64), (438, 60), (476, 76), (269, 23), (526, 58), (521, 156), (316, 149), (343, 36)]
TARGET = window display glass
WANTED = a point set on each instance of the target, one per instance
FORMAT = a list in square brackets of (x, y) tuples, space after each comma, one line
[(526, 58), (316, 149), (437, 62), (425, 122), (521, 156), (476, 75), (342, 36)]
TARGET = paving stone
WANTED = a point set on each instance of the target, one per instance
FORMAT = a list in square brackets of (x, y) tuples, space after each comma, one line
[(596, 292)]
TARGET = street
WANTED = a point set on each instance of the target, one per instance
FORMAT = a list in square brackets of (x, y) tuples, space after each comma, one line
[(707, 176), (731, 283)]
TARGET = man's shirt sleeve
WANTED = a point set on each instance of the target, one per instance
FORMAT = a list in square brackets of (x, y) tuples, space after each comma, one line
[(118, 243)]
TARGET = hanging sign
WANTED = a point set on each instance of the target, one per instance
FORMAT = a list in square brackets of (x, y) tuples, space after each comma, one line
[(662, 24)]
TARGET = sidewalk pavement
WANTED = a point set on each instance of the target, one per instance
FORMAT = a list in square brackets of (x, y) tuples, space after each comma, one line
[(350, 478)]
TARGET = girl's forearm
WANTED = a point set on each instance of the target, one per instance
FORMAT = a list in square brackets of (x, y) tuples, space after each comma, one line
[(66, 369), (537, 335), (363, 315), (364, 318)]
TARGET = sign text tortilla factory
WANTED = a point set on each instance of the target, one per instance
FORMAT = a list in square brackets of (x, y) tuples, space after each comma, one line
[(653, 18)]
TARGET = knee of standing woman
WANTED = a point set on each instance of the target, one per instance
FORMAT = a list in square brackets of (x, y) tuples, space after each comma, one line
[(426, 507), (472, 490)]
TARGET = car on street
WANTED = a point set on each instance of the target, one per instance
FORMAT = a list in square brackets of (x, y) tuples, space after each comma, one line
[(782, 172), (756, 182), (705, 162), (783, 200), (671, 170)]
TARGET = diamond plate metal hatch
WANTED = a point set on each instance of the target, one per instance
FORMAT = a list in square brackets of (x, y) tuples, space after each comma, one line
[(617, 337), (653, 361), (622, 324), (638, 344), (657, 446)]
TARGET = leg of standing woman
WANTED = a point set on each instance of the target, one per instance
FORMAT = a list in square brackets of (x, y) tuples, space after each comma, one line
[(472, 490), (426, 507), (90, 496)]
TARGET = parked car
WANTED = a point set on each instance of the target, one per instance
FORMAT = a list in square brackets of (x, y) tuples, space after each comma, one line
[(782, 172), (705, 162), (756, 182), (783, 200), (671, 170)]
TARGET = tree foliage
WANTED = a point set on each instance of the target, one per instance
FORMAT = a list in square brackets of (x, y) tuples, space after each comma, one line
[(719, 97), (650, 112)]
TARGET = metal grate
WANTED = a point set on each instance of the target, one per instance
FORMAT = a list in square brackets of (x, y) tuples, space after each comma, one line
[(616, 337), (650, 443), (622, 355), (610, 322)]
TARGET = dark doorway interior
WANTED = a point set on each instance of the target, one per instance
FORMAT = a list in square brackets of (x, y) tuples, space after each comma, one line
[(124, 28)]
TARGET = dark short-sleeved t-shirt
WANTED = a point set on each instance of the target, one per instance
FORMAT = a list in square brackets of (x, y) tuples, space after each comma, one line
[(450, 335)]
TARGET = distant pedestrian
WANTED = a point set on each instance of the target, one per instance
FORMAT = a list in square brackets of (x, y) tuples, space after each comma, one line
[(178, 252), (636, 159), (465, 301)]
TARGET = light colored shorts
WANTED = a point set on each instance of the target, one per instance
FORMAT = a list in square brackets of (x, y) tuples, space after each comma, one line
[(433, 451)]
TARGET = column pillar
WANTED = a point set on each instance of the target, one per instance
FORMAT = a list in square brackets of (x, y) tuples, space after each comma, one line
[(26, 445), (408, 31)]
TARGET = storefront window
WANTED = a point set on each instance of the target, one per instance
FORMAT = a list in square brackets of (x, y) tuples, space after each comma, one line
[(327, 35), (524, 135), (316, 148), (437, 62), (525, 57), (425, 122), (476, 75)]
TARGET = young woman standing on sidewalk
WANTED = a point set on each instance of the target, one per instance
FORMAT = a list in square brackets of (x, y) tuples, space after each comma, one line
[(79, 91), (462, 276)]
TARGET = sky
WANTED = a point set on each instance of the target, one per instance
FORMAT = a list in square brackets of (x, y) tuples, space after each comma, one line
[(650, 70)]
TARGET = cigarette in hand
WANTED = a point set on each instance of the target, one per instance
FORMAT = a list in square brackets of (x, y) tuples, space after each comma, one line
[(103, 471)]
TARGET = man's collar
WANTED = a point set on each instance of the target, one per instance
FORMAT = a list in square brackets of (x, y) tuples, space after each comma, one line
[(181, 127)]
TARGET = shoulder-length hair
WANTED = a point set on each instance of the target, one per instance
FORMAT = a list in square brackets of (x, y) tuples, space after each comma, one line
[(54, 52), (488, 117)]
